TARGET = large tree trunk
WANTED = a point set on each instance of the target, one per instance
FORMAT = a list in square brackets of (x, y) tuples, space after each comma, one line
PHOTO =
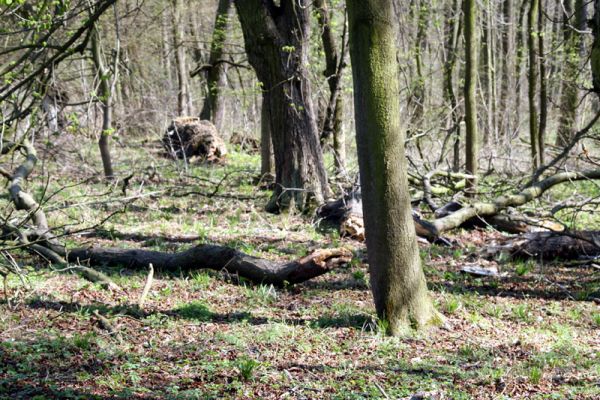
[(105, 97), (217, 70), (397, 279), (276, 39), (472, 137)]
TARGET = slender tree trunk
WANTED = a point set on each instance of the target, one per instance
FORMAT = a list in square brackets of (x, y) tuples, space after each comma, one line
[(521, 43), (334, 65), (574, 16), (532, 44), (184, 106), (216, 78), (276, 40), (397, 279), (166, 51), (266, 144), (105, 98), (543, 86), (489, 80), (452, 34), (472, 137), (416, 100), (508, 79)]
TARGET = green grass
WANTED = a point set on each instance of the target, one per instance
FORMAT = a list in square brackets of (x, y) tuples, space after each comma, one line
[(205, 335)]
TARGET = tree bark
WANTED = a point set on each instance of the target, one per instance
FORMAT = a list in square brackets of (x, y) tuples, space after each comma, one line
[(276, 40), (397, 279), (216, 76), (105, 98), (472, 137)]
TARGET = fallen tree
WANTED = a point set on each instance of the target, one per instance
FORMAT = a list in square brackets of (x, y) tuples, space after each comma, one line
[(485, 209), (39, 239), (454, 214), (549, 246), (219, 258)]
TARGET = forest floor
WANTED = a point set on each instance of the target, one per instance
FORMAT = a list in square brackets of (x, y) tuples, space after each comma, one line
[(533, 332)]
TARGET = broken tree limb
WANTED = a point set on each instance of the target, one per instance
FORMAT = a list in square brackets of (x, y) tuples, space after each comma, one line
[(482, 209), (549, 246), (219, 258)]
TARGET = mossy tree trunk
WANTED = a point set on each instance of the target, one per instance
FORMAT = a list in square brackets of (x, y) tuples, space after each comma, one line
[(472, 137), (397, 279), (276, 39), (216, 76)]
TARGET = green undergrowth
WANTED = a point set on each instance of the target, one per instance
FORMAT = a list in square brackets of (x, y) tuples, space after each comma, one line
[(530, 333)]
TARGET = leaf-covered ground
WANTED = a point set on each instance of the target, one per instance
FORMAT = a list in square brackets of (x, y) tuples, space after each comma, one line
[(533, 333)]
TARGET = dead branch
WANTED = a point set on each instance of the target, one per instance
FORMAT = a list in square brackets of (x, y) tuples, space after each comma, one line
[(549, 246), (219, 258)]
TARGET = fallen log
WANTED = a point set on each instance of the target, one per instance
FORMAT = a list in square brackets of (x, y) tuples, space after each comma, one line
[(454, 215), (483, 209), (549, 246), (219, 258), (213, 257)]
